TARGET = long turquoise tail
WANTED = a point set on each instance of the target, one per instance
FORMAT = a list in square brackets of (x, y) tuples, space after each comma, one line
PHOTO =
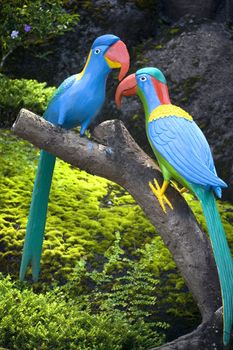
[(37, 216), (222, 255)]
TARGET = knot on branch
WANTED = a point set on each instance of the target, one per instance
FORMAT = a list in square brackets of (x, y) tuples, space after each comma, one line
[(112, 133)]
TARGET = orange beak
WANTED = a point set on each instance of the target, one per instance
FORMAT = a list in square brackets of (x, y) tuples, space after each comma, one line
[(117, 56), (128, 87)]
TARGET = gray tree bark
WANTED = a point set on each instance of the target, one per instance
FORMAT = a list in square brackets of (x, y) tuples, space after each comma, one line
[(112, 153)]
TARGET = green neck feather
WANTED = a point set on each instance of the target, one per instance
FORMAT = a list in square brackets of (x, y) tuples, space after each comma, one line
[(145, 104)]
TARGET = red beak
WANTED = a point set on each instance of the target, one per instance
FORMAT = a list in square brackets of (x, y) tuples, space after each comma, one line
[(128, 87), (118, 57)]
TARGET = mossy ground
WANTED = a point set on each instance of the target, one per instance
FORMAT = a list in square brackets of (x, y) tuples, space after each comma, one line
[(48, 321), (85, 214)]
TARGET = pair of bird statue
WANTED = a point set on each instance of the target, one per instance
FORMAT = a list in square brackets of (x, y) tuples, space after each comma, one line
[(180, 148)]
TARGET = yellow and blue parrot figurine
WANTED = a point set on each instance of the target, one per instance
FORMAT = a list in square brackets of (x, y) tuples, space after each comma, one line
[(77, 101), (184, 155)]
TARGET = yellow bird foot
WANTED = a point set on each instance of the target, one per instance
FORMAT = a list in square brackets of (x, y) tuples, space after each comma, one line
[(180, 190), (159, 193)]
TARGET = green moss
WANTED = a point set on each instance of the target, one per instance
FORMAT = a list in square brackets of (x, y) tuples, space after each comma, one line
[(174, 31), (190, 85), (50, 321), (184, 99), (159, 46), (18, 93), (187, 88), (146, 4), (85, 214)]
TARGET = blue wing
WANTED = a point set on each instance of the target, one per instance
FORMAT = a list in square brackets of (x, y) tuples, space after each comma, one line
[(66, 84), (183, 145)]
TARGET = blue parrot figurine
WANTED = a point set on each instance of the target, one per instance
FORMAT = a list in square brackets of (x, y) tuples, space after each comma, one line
[(77, 101), (183, 155)]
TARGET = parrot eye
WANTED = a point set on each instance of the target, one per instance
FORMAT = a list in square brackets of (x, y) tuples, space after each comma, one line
[(97, 51), (143, 78)]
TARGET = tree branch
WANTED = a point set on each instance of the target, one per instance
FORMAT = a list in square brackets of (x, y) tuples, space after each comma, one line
[(114, 154), (207, 336), (3, 59)]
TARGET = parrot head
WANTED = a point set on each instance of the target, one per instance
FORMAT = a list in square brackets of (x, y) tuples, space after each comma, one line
[(108, 52), (149, 84)]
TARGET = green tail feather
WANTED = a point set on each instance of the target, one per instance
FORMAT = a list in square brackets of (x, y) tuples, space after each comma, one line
[(222, 255), (37, 216)]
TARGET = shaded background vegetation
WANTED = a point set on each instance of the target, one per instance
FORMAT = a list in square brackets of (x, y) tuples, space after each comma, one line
[(104, 269)]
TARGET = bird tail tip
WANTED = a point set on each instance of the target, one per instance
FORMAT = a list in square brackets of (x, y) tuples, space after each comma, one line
[(35, 263), (226, 338)]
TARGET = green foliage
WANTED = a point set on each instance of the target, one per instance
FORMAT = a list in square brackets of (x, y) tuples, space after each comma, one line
[(31, 21), (158, 47), (86, 214), (146, 4), (49, 321), (121, 283), (174, 31), (19, 93)]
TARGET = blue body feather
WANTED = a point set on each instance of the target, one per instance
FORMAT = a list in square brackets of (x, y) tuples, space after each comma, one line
[(78, 101), (183, 145)]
